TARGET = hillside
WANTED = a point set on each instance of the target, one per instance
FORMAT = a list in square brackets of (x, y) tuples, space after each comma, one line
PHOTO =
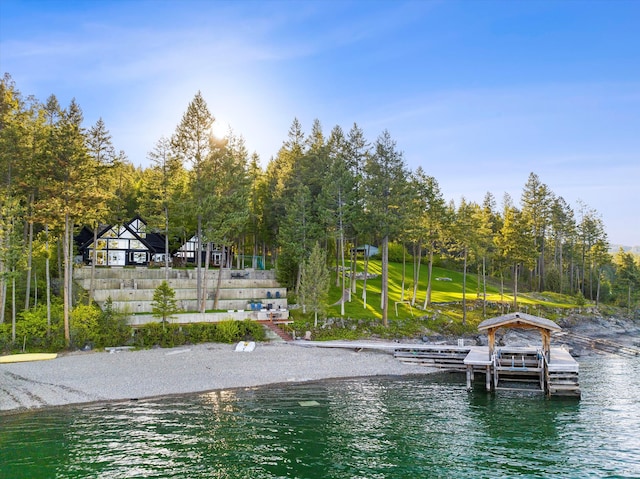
[(443, 316)]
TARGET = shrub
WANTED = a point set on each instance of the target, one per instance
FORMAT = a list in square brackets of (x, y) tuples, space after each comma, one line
[(5, 336), (228, 331), (84, 329), (32, 330), (251, 330), (113, 329)]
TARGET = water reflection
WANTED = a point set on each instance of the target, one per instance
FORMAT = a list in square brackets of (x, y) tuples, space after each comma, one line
[(376, 427)]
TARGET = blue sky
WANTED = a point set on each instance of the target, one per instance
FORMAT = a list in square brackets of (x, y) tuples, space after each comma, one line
[(478, 93)]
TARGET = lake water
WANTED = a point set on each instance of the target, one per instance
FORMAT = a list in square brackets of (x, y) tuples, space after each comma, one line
[(418, 427)]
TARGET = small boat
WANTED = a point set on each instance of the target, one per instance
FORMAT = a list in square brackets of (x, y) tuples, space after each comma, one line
[(25, 357), (246, 346)]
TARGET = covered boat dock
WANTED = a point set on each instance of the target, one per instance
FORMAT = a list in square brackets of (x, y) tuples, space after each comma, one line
[(545, 369), (531, 368)]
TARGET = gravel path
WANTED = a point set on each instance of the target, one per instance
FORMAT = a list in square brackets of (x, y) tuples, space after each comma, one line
[(103, 376)]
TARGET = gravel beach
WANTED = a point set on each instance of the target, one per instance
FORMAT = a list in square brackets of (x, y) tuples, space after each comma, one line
[(103, 376)]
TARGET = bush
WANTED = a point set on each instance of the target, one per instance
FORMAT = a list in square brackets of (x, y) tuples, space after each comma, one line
[(251, 330), (113, 329), (5, 337), (153, 334), (228, 331), (84, 325), (33, 333)]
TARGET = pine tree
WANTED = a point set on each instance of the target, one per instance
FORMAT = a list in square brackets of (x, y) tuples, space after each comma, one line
[(314, 284), (191, 143), (385, 195), (164, 303)]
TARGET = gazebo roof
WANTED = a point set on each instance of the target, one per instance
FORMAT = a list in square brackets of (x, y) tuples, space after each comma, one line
[(518, 320)]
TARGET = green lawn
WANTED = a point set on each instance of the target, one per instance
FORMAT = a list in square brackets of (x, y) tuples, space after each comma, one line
[(444, 314)]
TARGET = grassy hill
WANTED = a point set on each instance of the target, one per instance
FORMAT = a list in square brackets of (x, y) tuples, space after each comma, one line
[(444, 316)]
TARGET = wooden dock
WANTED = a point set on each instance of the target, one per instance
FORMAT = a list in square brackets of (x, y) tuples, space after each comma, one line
[(519, 368)]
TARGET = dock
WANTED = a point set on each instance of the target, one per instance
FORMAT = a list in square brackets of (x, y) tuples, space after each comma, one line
[(549, 370), (521, 368)]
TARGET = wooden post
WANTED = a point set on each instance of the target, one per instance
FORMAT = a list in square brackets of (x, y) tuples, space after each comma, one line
[(488, 385), (546, 343), (469, 376), (491, 335)]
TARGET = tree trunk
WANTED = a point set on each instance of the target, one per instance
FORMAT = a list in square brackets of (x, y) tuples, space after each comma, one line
[(13, 305), (484, 287), (427, 298), (202, 305), (598, 289), (166, 244), (337, 261), (199, 261), (47, 273), (404, 272), (541, 283), (464, 289), (70, 243), (354, 266), (560, 267), (364, 281), (216, 296), (342, 269), (385, 281), (501, 292), (3, 292), (417, 262), (27, 295), (515, 286), (66, 300), (94, 260)]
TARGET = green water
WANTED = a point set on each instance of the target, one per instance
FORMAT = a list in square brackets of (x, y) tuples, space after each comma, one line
[(419, 427)]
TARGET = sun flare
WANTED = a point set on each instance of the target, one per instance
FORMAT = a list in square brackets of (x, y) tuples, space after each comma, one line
[(220, 129)]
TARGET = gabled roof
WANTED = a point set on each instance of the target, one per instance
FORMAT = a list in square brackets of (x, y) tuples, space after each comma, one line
[(153, 241), (518, 319)]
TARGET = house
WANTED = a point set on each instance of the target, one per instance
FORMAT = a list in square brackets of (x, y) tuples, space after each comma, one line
[(128, 244), (187, 253), (366, 250)]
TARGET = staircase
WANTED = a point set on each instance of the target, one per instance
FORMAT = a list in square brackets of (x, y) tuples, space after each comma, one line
[(518, 369), (277, 330)]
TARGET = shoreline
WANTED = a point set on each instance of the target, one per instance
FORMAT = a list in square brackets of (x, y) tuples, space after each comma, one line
[(90, 377)]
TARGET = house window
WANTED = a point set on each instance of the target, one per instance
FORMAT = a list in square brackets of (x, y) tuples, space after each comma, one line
[(138, 257)]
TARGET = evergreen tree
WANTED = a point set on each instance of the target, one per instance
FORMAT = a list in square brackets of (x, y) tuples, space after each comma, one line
[(104, 155), (164, 303), (626, 285), (160, 189), (385, 195), (68, 189), (537, 202), (191, 143), (516, 245), (314, 284)]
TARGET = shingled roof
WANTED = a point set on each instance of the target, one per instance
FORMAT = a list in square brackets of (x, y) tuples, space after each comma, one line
[(518, 319)]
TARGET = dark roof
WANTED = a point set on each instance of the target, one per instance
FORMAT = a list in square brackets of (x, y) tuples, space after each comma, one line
[(518, 319), (153, 241)]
